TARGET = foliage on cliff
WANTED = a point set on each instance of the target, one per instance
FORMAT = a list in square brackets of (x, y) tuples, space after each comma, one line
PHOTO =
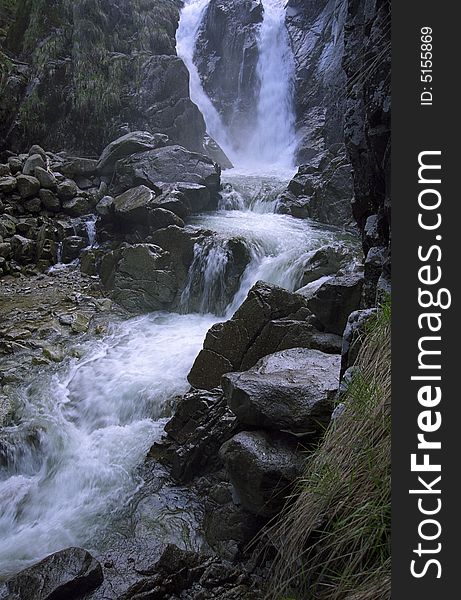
[(333, 541)]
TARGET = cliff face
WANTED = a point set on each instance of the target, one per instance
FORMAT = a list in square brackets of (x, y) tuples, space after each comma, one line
[(316, 29), (76, 74), (367, 62)]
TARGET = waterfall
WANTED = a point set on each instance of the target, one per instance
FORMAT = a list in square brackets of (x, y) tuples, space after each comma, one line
[(273, 139)]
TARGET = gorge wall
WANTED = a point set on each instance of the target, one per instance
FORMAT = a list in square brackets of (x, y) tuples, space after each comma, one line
[(64, 63)]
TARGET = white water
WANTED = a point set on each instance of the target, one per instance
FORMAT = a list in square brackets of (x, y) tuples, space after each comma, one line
[(272, 140)]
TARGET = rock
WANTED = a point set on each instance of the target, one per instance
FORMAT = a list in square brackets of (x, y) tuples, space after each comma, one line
[(76, 207), (36, 149), (334, 300), (49, 200), (131, 143), (15, 164), (67, 190), (4, 170), (71, 248), (262, 467), (7, 225), (65, 575), (23, 249), (161, 218), (292, 390), (163, 167), (105, 206), (327, 260), (174, 201), (28, 186), (47, 180), (226, 344), (5, 250), (33, 205), (141, 278), (7, 184), (78, 167), (34, 160), (197, 196), (134, 205), (353, 336), (202, 422), (374, 265)]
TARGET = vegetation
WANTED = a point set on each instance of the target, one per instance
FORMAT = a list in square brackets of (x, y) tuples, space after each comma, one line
[(333, 541)]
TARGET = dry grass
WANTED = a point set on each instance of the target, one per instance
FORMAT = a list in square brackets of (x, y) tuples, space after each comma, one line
[(333, 540)]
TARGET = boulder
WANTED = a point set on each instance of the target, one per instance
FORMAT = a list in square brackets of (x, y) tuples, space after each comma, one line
[(15, 164), (7, 184), (335, 299), (23, 249), (36, 149), (7, 225), (78, 167), (49, 200), (4, 170), (105, 206), (262, 466), (77, 206), (197, 196), (131, 143), (134, 205), (67, 190), (353, 336), (33, 205), (202, 422), (174, 201), (327, 260), (47, 179), (71, 248), (65, 575), (226, 344), (35, 160), (164, 167), (291, 390), (140, 277), (28, 186)]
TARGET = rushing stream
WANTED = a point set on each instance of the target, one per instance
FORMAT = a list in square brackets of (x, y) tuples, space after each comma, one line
[(87, 424)]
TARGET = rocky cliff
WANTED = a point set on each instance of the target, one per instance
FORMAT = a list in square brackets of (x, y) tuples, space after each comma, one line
[(71, 80)]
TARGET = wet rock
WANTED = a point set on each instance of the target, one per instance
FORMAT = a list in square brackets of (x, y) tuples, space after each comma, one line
[(262, 467), (201, 424), (65, 575), (49, 200), (36, 149), (353, 336), (34, 160), (291, 390), (141, 277), (134, 205), (374, 265), (334, 300), (226, 344), (15, 164), (174, 201), (78, 167), (161, 218), (7, 184), (67, 190), (47, 180), (197, 196), (165, 166), (71, 248), (28, 186), (23, 249), (105, 206), (327, 260), (131, 143), (77, 206)]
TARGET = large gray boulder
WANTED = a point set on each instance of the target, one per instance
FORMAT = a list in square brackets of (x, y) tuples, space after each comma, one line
[(226, 344), (291, 390), (140, 277), (126, 145), (28, 186), (65, 575), (335, 300), (162, 168), (262, 466)]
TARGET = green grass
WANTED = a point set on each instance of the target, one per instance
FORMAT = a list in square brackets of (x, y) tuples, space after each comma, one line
[(333, 540)]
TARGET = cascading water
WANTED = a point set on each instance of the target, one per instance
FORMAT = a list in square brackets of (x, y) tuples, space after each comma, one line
[(273, 139)]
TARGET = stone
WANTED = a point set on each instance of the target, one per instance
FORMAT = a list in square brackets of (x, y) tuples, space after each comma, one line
[(327, 260), (67, 190), (196, 196), (227, 343), (28, 186), (262, 467), (15, 164), (140, 277), (7, 184), (33, 205), (23, 249), (131, 143), (78, 167), (134, 205), (202, 422), (335, 299), (34, 160), (292, 390), (4, 170), (105, 206), (160, 218), (36, 149), (77, 206), (167, 166), (71, 248), (65, 575), (354, 335), (5, 250), (47, 180), (7, 225), (49, 200)]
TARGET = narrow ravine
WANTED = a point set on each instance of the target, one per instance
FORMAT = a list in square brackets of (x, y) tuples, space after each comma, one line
[(88, 423)]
